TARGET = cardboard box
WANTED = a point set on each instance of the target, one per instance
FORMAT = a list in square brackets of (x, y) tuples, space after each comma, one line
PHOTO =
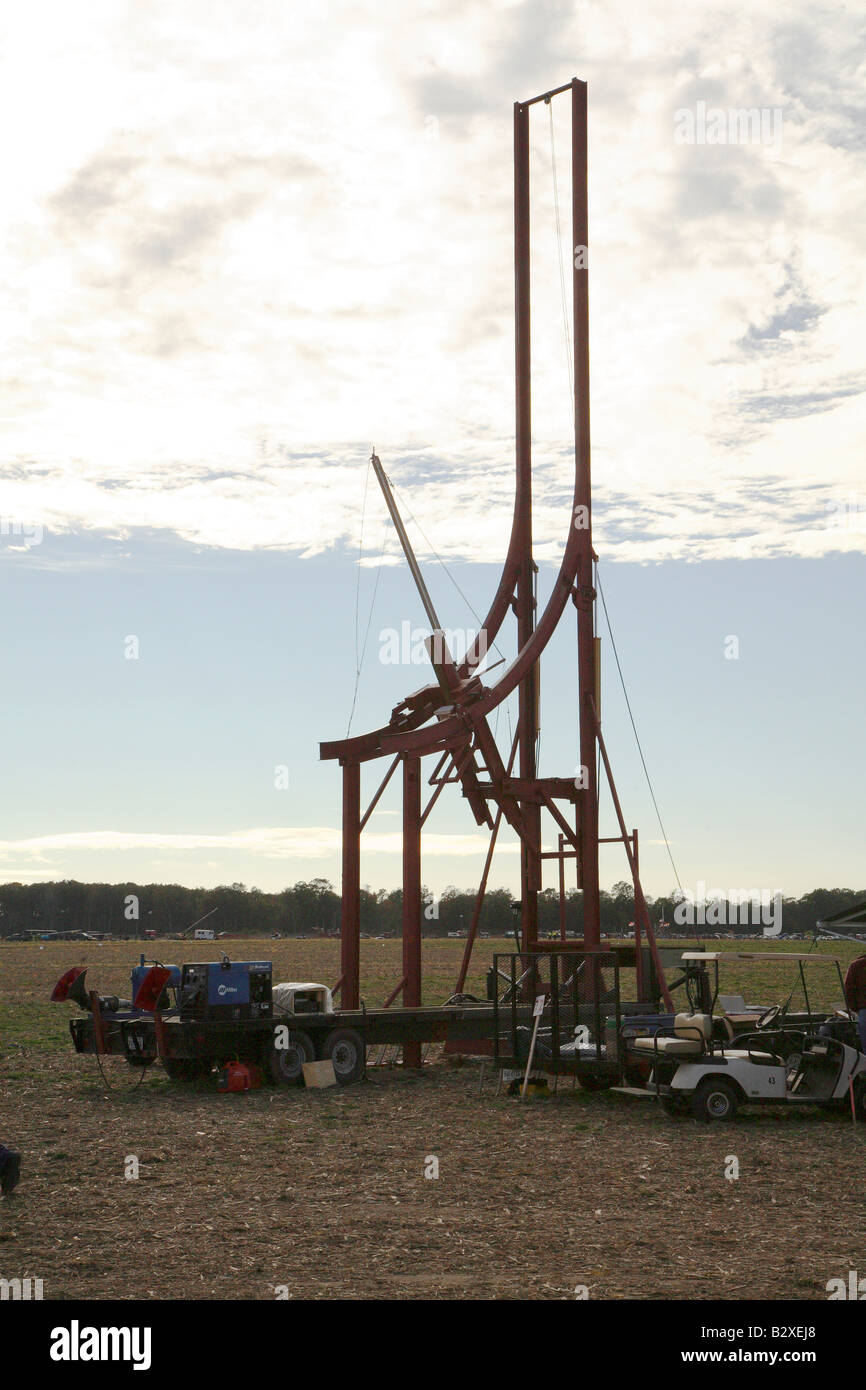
[(318, 1074)]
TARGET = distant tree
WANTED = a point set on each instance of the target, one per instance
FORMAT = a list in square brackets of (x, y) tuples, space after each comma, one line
[(313, 908)]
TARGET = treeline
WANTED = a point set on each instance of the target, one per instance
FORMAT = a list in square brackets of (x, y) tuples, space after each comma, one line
[(313, 909)]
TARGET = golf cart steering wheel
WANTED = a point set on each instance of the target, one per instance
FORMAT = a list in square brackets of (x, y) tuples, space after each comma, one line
[(769, 1016)]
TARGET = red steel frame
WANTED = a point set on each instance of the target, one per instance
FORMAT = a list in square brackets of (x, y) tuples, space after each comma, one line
[(449, 717)]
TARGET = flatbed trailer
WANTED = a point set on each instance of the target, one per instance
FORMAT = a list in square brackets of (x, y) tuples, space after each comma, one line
[(191, 1047), (209, 1024)]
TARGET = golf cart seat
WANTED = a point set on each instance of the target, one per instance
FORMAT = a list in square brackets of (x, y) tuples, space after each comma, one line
[(692, 1034)]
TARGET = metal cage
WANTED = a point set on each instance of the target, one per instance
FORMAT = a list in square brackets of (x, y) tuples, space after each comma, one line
[(581, 1017)]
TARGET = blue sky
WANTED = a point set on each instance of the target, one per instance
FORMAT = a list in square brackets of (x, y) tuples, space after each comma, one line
[(235, 257)]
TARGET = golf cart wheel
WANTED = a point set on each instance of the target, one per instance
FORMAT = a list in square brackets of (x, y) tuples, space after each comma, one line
[(286, 1064), (715, 1099), (345, 1048), (186, 1068), (593, 1083), (676, 1105)]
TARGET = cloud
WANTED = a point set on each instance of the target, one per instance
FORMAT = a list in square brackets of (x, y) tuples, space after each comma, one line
[(271, 842), (233, 267)]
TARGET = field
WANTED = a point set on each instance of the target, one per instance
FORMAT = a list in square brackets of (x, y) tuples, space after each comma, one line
[(324, 1194)]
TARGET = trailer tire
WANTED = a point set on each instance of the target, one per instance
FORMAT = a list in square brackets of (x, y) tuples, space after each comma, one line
[(286, 1064), (345, 1049), (715, 1099)]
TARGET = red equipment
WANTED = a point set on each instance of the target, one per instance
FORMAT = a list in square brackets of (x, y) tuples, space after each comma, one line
[(150, 990), (239, 1076), (64, 989), (448, 718)]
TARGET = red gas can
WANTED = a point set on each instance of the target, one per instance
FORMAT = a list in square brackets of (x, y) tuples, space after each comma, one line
[(238, 1076)]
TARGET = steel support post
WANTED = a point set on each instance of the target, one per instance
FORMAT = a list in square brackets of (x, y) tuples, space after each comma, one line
[(527, 719), (640, 901), (350, 916), (412, 897), (585, 593), (637, 924), (562, 887)]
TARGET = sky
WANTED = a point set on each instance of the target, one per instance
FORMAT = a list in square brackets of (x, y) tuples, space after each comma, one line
[(241, 248)]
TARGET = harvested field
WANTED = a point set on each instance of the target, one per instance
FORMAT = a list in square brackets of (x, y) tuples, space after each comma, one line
[(323, 1194)]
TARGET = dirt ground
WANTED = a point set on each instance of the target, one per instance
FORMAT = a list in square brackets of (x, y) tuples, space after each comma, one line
[(323, 1194)]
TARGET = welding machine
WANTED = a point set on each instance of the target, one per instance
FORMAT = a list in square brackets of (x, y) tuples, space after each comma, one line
[(226, 990)]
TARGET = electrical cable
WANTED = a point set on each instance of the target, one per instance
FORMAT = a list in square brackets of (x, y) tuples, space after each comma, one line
[(697, 935), (634, 731), (359, 656), (407, 511), (562, 283)]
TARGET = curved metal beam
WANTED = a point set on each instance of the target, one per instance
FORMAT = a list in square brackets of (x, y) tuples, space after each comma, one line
[(577, 559), (431, 737)]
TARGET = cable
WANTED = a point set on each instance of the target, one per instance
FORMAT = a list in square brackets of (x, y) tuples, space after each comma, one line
[(366, 633), (566, 336), (359, 655), (358, 599), (126, 1089), (360, 556), (784, 1009), (404, 508), (634, 730)]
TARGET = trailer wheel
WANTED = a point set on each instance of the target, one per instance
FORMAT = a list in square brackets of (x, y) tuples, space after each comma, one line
[(345, 1048), (715, 1099), (286, 1064)]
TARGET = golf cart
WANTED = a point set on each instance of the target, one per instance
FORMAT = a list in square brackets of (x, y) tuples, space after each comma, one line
[(708, 1066)]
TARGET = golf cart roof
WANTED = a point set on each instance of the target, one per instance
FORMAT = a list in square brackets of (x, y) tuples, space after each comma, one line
[(847, 916), (762, 955)]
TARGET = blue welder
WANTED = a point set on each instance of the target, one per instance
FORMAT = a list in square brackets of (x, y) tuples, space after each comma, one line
[(226, 990)]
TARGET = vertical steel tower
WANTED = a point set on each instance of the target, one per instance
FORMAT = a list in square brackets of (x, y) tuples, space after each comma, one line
[(448, 720)]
